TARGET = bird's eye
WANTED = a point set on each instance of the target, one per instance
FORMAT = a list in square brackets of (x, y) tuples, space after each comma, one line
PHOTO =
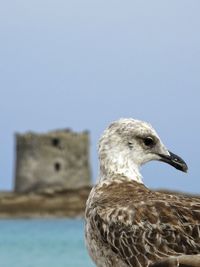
[(148, 141)]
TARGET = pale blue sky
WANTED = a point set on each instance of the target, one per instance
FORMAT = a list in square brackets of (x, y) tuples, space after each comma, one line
[(82, 64)]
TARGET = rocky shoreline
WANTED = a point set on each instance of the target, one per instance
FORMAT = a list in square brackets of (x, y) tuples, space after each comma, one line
[(48, 203)]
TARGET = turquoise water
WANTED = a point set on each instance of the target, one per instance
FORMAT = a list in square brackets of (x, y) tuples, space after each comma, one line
[(43, 243)]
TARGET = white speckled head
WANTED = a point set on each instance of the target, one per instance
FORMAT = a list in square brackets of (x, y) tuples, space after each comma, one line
[(126, 145)]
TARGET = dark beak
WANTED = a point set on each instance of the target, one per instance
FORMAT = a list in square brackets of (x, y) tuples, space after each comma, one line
[(175, 161)]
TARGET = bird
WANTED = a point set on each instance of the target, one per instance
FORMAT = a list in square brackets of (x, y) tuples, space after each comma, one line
[(126, 223)]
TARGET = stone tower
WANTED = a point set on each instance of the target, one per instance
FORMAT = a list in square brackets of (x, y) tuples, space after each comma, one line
[(58, 159)]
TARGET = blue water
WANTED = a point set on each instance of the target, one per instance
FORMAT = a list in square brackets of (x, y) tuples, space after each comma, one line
[(43, 243)]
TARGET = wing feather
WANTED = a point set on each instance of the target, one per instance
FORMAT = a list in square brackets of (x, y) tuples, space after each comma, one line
[(145, 232)]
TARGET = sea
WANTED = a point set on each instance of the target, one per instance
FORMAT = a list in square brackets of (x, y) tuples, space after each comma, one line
[(43, 243)]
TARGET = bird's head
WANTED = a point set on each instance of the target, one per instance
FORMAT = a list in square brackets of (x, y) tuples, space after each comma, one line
[(127, 144)]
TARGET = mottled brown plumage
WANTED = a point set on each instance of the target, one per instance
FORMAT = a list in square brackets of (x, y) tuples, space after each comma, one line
[(143, 226)]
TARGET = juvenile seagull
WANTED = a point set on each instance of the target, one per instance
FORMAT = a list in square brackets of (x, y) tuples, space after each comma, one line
[(126, 223)]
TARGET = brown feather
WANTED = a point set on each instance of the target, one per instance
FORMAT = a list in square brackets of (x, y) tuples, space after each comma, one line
[(142, 226)]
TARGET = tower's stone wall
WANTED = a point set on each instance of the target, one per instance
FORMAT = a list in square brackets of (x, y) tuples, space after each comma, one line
[(58, 159)]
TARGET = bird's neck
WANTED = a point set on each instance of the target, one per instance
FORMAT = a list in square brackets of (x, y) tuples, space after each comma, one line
[(113, 167)]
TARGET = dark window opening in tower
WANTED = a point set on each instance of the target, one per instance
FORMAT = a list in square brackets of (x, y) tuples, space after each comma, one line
[(57, 166), (55, 142)]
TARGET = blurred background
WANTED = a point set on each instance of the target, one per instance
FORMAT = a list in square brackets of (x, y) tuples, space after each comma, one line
[(80, 65)]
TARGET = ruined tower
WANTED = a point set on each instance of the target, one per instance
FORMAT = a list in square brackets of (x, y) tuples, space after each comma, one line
[(58, 159)]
